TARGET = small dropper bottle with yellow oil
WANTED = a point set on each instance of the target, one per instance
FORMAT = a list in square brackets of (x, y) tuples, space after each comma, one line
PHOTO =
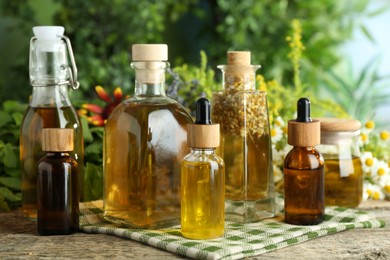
[(202, 179)]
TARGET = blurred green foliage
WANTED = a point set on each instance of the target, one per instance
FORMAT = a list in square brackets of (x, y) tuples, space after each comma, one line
[(102, 34), (359, 94), (11, 116)]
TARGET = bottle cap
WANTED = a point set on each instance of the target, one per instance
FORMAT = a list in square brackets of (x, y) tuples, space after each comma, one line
[(304, 132), (47, 33), (242, 58), (47, 36), (329, 124), (203, 134), (150, 52), (57, 139)]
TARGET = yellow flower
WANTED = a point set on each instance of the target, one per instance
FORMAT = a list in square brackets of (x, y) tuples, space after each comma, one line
[(364, 137), (369, 162), (376, 195), (381, 171), (387, 188), (261, 82), (384, 135), (370, 125)]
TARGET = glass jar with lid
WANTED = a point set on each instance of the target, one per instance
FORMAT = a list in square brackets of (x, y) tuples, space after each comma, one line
[(343, 168)]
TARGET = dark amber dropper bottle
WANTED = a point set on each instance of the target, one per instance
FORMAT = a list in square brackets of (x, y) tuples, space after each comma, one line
[(58, 193), (304, 170)]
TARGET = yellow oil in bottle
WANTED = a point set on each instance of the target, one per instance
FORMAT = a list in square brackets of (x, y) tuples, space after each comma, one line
[(247, 163), (203, 199), (343, 181), (145, 142), (35, 119)]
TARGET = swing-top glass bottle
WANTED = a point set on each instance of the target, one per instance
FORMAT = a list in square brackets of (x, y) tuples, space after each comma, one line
[(49, 107)]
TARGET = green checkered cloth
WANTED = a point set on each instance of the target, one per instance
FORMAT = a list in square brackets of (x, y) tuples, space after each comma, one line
[(240, 240)]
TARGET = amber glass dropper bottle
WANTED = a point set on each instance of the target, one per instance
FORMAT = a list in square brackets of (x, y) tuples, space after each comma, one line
[(58, 190), (304, 170), (202, 179)]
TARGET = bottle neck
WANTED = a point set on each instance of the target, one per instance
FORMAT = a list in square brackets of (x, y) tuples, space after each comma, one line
[(238, 78), (207, 151), (48, 63), (50, 96), (150, 77)]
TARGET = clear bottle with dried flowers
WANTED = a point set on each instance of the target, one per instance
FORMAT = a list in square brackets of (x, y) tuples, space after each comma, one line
[(242, 112)]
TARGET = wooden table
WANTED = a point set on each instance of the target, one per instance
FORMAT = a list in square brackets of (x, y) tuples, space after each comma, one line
[(19, 240)]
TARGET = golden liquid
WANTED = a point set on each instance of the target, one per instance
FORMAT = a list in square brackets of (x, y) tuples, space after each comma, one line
[(144, 146), (343, 182), (202, 199), (247, 166), (35, 119)]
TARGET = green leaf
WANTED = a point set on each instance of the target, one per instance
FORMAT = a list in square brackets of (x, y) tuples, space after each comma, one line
[(8, 156), (18, 118), (94, 148), (367, 33), (86, 130), (12, 172), (9, 195), (93, 182), (5, 118), (11, 182), (3, 204), (14, 106)]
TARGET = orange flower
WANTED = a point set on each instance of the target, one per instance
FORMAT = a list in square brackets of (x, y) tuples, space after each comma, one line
[(100, 114)]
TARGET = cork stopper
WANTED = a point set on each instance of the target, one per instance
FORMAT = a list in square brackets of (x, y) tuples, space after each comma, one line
[(339, 124), (304, 132), (203, 134), (150, 52), (241, 58), (57, 140)]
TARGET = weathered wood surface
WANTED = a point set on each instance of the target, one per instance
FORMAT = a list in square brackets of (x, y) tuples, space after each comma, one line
[(19, 240)]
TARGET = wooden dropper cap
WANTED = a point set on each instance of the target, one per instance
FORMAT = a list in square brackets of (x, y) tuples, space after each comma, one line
[(57, 139), (304, 132), (203, 134)]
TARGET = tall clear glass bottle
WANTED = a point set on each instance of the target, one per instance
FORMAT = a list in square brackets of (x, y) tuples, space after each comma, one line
[(242, 112), (144, 144), (49, 107)]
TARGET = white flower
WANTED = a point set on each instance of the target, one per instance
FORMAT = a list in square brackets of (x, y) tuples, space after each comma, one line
[(364, 138), (380, 173), (278, 156), (368, 161), (276, 134), (371, 191), (279, 122)]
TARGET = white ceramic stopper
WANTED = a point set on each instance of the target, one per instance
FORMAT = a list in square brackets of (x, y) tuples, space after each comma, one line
[(48, 36)]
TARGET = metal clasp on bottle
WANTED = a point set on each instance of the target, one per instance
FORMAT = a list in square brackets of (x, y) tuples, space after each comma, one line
[(72, 71)]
